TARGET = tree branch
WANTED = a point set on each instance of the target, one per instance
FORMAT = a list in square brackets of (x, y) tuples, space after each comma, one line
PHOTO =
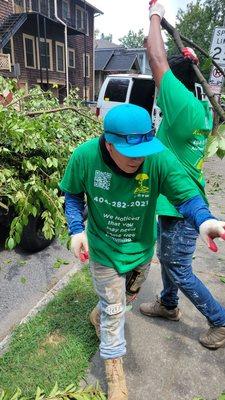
[(177, 38), (166, 25), (54, 110)]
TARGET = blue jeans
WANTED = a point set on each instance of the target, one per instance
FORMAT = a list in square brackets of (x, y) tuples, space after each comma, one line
[(111, 289), (176, 245)]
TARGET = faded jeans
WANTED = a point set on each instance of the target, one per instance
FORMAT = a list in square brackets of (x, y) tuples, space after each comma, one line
[(111, 289), (175, 248)]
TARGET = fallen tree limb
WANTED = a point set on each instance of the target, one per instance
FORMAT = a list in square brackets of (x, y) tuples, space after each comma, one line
[(54, 110), (177, 38), (166, 25)]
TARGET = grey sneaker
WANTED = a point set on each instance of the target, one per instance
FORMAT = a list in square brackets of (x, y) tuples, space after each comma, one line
[(214, 338), (157, 309)]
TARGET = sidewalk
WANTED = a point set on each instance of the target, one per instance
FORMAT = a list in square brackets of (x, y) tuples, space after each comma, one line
[(164, 359)]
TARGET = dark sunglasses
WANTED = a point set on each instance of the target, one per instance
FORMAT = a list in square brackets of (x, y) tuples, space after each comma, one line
[(136, 138)]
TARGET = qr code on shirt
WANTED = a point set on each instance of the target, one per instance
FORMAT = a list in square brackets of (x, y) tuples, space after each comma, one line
[(102, 180)]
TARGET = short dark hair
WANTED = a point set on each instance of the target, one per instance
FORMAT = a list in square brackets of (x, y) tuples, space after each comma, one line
[(182, 69)]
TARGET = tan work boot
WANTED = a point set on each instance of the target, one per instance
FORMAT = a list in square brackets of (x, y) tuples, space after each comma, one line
[(95, 320), (213, 338), (157, 309), (117, 388)]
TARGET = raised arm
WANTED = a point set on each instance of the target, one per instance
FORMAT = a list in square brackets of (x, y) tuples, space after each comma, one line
[(155, 46)]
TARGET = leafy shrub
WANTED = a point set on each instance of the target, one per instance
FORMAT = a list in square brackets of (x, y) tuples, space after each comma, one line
[(34, 150)]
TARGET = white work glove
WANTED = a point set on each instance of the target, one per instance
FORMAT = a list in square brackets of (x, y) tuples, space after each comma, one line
[(79, 246), (156, 8), (210, 230)]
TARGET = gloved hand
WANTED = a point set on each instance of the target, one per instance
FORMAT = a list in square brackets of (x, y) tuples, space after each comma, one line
[(79, 246), (156, 8), (210, 230), (188, 52)]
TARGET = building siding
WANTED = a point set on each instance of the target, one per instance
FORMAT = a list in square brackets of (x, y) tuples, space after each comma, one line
[(54, 32)]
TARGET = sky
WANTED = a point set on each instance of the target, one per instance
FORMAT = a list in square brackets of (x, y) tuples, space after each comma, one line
[(120, 16)]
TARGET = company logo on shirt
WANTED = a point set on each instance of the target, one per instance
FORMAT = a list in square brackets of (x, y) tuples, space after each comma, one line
[(102, 180), (141, 188)]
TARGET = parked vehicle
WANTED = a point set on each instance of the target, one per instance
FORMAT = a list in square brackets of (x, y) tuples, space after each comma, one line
[(135, 89), (126, 88)]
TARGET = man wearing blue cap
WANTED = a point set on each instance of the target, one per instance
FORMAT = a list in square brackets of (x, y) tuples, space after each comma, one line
[(122, 174), (184, 129)]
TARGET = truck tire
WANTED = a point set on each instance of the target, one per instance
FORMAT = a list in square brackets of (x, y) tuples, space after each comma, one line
[(33, 239)]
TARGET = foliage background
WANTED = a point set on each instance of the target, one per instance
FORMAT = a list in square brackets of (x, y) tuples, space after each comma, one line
[(197, 23)]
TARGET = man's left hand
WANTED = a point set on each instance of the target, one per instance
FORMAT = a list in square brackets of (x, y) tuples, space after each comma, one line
[(155, 8), (188, 52), (210, 230)]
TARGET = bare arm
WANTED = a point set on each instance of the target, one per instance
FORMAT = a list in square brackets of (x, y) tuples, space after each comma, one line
[(156, 50)]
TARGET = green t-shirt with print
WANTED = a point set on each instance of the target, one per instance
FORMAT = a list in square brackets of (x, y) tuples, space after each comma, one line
[(121, 210), (185, 126)]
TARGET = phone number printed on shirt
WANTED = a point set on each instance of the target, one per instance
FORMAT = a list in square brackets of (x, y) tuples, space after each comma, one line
[(122, 204)]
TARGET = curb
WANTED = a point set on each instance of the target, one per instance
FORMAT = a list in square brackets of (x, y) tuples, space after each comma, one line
[(41, 303)]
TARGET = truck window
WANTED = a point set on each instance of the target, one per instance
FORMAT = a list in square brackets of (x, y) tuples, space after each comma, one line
[(142, 93), (117, 90)]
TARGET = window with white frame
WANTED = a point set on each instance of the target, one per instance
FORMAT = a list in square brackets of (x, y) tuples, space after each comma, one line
[(29, 51), (60, 57), (45, 59), (9, 49), (82, 21), (65, 9), (87, 65), (71, 58)]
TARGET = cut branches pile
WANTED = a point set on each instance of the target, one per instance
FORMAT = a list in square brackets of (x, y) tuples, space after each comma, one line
[(36, 139)]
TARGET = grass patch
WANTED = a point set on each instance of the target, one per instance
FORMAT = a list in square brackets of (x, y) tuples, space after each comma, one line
[(56, 345)]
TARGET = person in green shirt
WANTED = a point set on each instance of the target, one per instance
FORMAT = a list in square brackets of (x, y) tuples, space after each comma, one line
[(185, 126), (122, 173)]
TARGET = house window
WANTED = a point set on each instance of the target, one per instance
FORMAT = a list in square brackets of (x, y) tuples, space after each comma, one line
[(9, 49), (45, 54), (82, 22), (29, 51), (71, 58), (87, 65), (60, 57), (44, 7), (65, 9)]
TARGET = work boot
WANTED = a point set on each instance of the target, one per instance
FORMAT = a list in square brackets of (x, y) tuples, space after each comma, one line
[(157, 309), (213, 338), (117, 388), (95, 320)]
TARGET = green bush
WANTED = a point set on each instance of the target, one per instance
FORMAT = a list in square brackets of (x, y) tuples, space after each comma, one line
[(34, 150)]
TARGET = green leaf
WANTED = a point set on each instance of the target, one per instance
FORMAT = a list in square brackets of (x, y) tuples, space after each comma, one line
[(212, 146), (222, 396), (39, 394), (220, 153), (23, 280), (222, 279), (54, 390), (11, 243)]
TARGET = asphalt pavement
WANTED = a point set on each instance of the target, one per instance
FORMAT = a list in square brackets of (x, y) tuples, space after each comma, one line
[(26, 278)]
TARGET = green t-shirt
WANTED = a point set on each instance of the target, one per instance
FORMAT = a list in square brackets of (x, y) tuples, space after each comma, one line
[(185, 126), (121, 210)]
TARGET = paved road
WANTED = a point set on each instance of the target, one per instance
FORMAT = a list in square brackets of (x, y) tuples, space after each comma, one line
[(25, 279), (164, 359)]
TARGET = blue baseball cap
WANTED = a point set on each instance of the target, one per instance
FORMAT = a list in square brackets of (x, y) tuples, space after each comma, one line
[(128, 120)]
